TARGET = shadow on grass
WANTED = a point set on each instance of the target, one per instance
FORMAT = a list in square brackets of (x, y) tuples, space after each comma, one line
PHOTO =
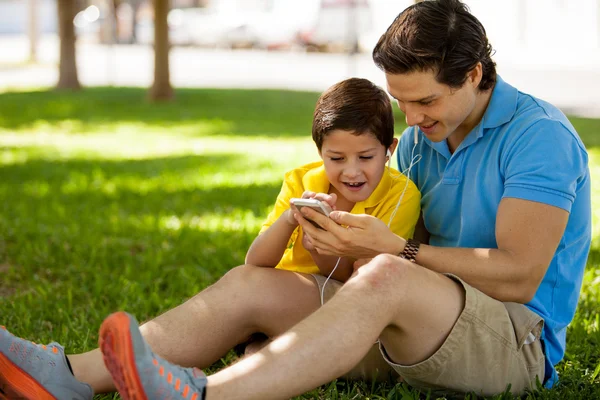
[(140, 246), (274, 113), (248, 112)]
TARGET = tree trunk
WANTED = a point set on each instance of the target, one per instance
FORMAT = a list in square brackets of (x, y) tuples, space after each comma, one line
[(161, 89), (33, 30), (67, 70)]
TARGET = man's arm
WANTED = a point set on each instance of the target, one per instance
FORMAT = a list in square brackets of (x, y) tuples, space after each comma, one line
[(527, 234)]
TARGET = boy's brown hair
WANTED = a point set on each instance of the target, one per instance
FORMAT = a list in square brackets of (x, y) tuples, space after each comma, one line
[(355, 105)]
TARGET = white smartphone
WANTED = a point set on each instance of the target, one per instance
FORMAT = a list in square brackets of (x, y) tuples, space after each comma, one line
[(317, 205)]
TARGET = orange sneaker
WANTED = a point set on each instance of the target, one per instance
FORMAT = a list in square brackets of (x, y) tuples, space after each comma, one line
[(137, 372), (37, 372)]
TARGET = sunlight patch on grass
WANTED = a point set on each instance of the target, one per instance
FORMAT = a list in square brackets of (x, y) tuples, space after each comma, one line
[(36, 189), (129, 144), (74, 127), (229, 221)]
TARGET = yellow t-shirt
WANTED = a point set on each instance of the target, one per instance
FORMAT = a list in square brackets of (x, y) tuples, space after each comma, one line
[(380, 204)]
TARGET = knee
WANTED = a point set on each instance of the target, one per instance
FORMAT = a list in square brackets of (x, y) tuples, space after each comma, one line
[(385, 272), (240, 277)]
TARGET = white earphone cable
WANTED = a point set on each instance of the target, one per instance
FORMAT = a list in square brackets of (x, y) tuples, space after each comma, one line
[(413, 161)]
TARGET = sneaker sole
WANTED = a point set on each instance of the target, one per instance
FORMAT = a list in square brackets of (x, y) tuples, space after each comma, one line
[(18, 384), (119, 358)]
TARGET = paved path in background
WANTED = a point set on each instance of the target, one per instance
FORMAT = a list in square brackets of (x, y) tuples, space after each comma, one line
[(574, 88)]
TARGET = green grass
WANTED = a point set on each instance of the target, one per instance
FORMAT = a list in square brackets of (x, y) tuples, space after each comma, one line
[(108, 202)]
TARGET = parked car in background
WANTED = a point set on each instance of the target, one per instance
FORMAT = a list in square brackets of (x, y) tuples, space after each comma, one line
[(339, 25), (315, 25)]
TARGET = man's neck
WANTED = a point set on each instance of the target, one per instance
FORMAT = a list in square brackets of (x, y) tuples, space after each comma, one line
[(481, 103)]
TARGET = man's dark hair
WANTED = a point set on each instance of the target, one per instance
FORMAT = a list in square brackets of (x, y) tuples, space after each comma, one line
[(437, 35), (355, 105)]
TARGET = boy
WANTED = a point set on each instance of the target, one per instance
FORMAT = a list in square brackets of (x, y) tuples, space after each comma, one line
[(353, 131)]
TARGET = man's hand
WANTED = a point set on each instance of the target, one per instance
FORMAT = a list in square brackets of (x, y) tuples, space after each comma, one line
[(345, 234), (307, 242)]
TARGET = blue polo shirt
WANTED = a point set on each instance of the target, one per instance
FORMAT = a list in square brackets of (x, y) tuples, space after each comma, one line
[(523, 148)]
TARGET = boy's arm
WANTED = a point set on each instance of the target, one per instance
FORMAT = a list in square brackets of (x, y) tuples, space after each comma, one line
[(326, 264), (268, 247)]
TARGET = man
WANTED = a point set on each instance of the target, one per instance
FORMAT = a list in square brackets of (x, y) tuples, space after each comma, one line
[(482, 302)]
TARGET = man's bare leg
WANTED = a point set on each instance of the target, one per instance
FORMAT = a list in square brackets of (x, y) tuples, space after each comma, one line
[(198, 332), (411, 308)]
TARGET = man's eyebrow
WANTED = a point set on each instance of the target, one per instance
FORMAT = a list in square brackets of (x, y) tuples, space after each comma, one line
[(423, 100)]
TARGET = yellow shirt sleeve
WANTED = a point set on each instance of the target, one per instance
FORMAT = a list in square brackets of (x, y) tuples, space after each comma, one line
[(407, 214), (289, 189), (295, 257)]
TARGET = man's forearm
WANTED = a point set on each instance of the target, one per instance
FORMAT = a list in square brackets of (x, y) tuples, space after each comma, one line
[(495, 272)]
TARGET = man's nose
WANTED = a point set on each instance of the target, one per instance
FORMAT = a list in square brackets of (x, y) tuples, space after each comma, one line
[(413, 116)]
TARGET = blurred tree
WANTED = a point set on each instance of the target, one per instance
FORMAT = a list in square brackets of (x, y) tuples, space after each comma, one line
[(33, 30), (161, 89), (67, 69)]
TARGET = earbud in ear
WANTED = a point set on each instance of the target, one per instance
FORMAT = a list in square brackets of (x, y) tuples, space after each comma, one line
[(388, 154)]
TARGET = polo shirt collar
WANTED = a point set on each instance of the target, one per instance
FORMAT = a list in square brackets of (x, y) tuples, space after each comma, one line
[(316, 181), (503, 105)]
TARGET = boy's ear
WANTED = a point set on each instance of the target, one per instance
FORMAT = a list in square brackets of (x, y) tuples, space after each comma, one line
[(392, 147)]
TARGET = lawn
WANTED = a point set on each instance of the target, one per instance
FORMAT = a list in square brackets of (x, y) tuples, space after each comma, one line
[(108, 203)]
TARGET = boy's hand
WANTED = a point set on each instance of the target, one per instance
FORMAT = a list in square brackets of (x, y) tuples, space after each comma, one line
[(289, 216), (330, 199), (327, 198)]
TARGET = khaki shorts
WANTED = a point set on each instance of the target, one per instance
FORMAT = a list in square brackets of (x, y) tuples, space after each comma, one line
[(492, 345)]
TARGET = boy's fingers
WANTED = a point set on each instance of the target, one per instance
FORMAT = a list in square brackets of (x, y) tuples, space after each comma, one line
[(308, 194), (328, 198)]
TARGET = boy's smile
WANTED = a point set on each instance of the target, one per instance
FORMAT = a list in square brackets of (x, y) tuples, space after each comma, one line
[(354, 165)]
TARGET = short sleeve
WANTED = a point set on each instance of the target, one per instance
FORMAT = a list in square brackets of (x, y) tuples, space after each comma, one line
[(288, 190), (406, 216), (545, 164)]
